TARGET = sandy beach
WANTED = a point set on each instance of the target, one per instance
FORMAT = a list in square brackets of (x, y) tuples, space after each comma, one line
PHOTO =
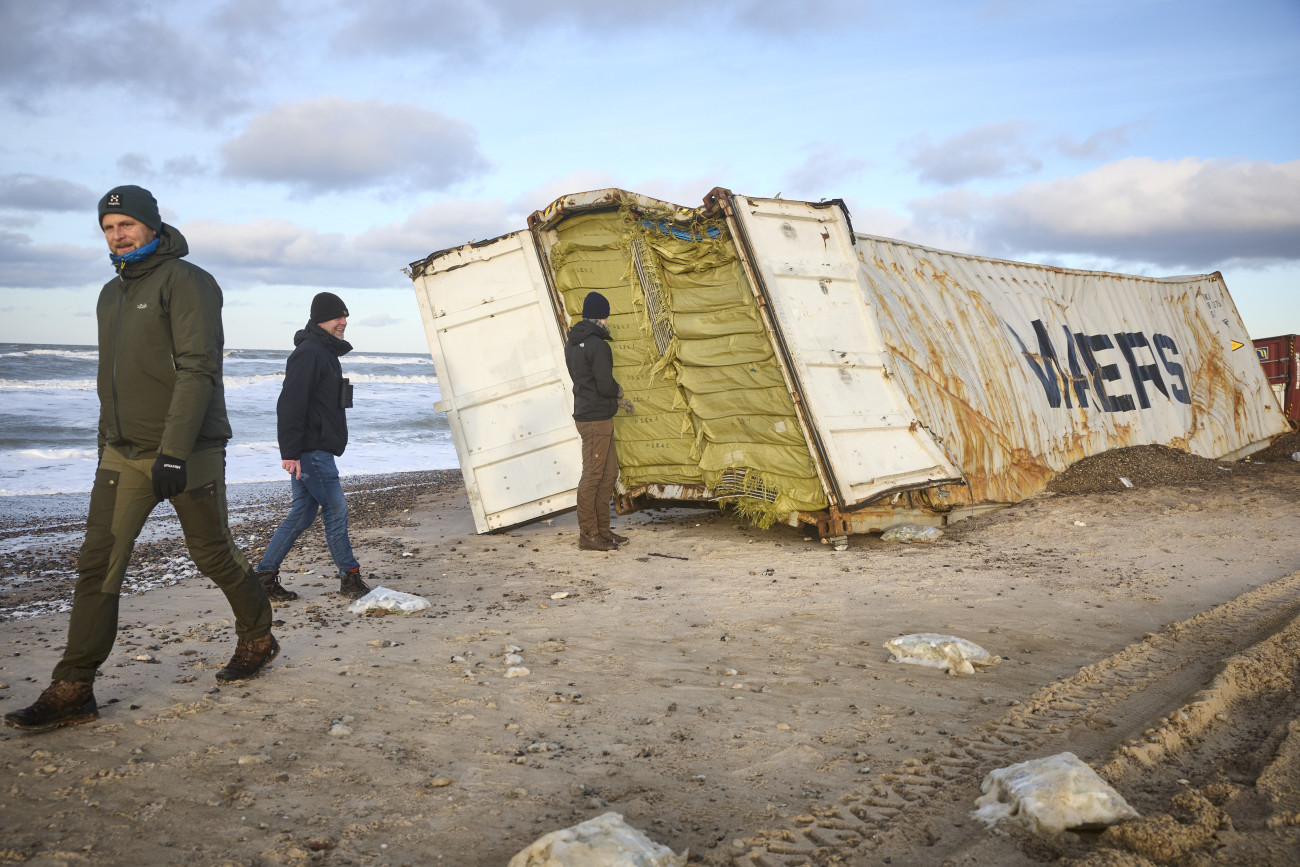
[(723, 688)]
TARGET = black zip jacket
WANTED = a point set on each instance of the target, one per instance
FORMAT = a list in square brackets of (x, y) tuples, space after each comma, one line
[(591, 367), (309, 415), (160, 344)]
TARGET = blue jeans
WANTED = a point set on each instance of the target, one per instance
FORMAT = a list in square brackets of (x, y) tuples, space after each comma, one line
[(317, 490)]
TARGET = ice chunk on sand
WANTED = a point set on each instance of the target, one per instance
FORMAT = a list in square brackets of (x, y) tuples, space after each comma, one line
[(955, 655), (381, 600), (605, 841), (1049, 795)]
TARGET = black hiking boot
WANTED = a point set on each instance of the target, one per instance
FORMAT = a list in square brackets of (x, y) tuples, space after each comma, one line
[(351, 585), (251, 656), (275, 591), (64, 703)]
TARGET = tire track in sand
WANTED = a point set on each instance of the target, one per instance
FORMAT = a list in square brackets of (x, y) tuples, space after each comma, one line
[(1109, 703)]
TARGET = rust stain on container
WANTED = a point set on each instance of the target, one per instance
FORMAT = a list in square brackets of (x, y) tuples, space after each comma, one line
[(927, 384)]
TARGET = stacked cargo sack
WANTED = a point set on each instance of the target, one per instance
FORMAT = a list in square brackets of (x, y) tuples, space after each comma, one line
[(654, 444), (712, 405), (749, 446)]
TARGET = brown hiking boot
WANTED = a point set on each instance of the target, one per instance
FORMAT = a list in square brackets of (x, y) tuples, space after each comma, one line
[(275, 591), (351, 585), (251, 656), (611, 536), (64, 703), (594, 543)]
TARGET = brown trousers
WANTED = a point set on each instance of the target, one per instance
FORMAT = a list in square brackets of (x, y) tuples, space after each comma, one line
[(599, 473)]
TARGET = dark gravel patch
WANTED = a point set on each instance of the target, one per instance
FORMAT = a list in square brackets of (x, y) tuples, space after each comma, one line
[(1143, 466), (1155, 465), (38, 566), (1281, 449)]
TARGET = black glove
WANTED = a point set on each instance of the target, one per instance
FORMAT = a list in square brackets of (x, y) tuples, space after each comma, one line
[(168, 477)]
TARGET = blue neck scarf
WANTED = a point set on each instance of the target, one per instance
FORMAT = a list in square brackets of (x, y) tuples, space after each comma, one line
[(135, 255)]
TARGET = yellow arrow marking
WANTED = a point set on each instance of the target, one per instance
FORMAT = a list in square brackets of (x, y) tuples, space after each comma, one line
[(1236, 345)]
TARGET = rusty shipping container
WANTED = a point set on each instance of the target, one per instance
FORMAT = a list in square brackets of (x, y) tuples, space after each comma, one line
[(1280, 358), (798, 371)]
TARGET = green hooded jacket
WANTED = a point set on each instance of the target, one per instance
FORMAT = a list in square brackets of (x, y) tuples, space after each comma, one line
[(160, 344)]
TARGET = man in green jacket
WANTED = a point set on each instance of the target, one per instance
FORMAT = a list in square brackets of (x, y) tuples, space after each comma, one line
[(162, 436)]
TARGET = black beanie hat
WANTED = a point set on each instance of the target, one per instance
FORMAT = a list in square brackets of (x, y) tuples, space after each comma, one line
[(595, 306), (135, 202), (326, 306)]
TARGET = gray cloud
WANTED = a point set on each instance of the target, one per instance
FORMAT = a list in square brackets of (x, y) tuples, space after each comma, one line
[(1100, 145), (780, 19), (50, 266), (56, 44), (469, 29), (825, 170), (457, 27), (141, 166), (135, 165), (329, 144), (439, 227), (996, 150), (44, 193), (278, 252), (382, 320), (1190, 214), (185, 166)]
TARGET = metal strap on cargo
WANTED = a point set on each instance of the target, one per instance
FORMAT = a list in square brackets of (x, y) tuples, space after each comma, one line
[(653, 290), (743, 482)]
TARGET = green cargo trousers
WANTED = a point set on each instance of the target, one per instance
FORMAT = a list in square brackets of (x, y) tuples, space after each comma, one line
[(120, 501)]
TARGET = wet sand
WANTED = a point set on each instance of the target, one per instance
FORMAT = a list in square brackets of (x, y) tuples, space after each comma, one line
[(723, 688)]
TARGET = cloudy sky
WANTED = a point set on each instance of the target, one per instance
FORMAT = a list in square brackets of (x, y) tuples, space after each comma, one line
[(302, 146)]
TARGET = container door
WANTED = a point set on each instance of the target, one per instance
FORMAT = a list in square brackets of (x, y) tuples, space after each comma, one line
[(498, 349), (802, 261)]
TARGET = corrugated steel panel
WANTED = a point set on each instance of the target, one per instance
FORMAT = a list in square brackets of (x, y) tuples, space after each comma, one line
[(1280, 358), (803, 264), (1024, 369), (493, 335)]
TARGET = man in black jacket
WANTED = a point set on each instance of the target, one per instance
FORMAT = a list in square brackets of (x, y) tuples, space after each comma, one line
[(597, 396), (162, 436), (312, 428)]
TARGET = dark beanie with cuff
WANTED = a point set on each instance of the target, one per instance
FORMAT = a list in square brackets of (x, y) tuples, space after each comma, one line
[(595, 306), (326, 306), (135, 202)]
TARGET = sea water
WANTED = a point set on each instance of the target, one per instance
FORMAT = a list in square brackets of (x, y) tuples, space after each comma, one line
[(49, 411)]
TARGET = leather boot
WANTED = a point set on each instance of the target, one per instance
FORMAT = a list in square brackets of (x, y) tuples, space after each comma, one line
[(63, 703), (351, 585), (275, 591), (594, 543), (611, 536), (251, 656)]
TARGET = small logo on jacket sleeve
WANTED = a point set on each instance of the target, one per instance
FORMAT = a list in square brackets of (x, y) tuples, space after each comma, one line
[(141, 306)]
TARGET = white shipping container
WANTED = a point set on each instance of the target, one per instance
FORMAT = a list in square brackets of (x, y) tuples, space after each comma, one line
[(927, 384)]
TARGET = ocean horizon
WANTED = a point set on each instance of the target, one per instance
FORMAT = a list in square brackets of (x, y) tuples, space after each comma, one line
[(49, 411)]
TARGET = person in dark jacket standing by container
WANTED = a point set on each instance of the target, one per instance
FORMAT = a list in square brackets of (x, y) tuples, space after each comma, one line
[(597, 396), (162, 436), (312, 428)]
